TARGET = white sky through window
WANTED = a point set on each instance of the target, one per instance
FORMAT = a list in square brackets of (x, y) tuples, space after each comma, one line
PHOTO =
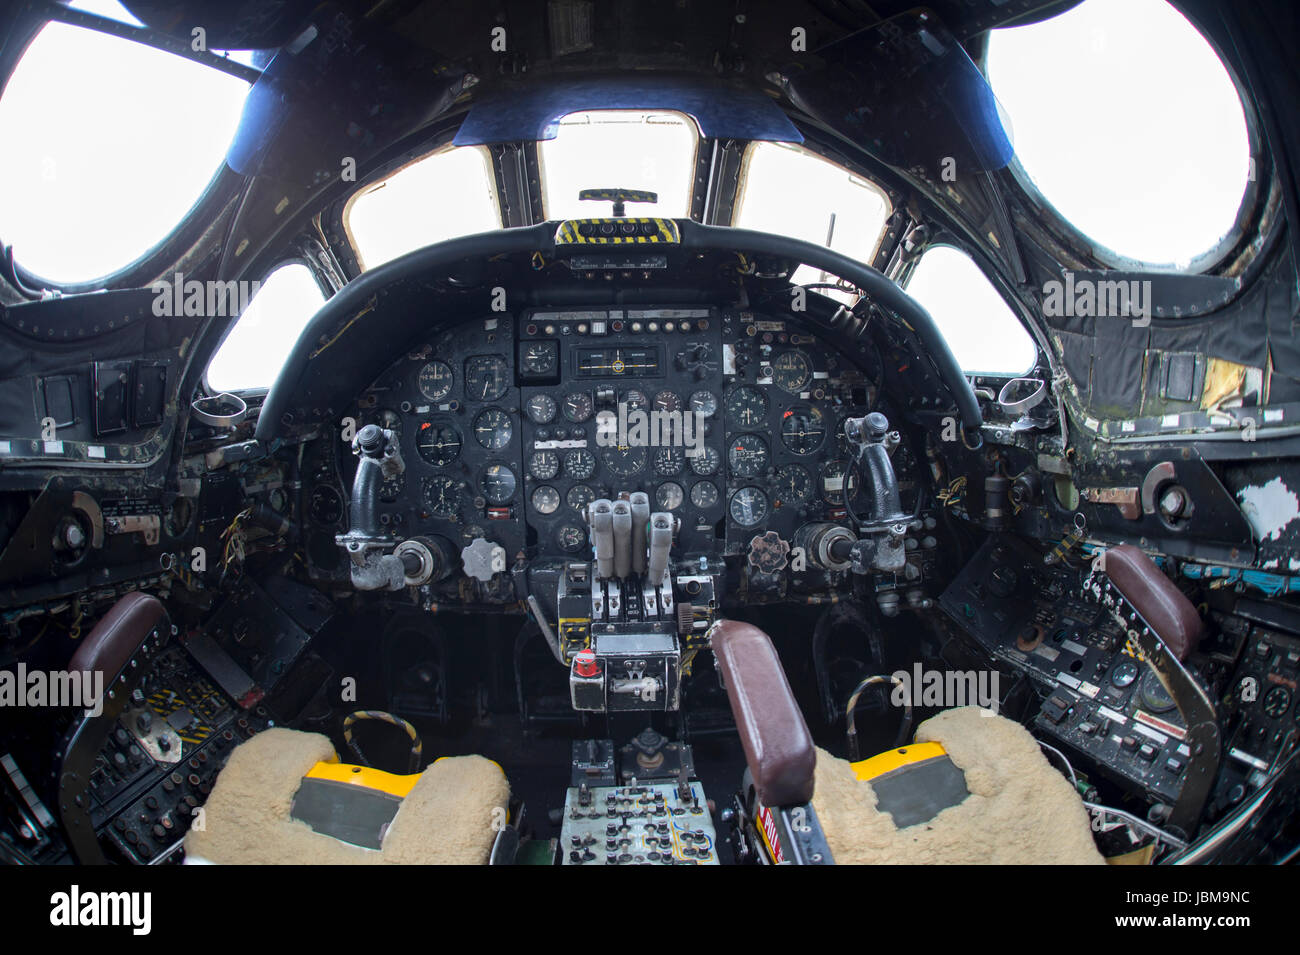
[(625, 149), (444, 195), (263, 336), (984, 334), (108, 145), (794, 192), (1125, 119)]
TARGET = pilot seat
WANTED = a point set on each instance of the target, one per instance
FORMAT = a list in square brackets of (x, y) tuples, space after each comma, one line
[(972, 788), (284, 797)]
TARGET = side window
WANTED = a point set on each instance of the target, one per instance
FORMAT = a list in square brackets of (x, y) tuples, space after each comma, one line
[(108, 145), (982, 331), (256, 348)]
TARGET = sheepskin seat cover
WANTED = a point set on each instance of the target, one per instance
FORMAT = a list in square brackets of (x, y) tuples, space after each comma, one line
[(1020, 809), (447, 818)]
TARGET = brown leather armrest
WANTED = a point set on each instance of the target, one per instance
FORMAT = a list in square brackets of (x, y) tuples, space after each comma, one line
[(1162, 605), (118, 635), (778, 746)]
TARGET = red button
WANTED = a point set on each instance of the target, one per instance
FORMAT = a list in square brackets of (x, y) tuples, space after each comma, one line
[(584, 663)]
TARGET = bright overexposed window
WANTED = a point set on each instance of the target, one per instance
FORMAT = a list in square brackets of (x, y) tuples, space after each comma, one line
[(262, 338), (794, 192), (107, 145), (619, 149), (984, 334), (1128, 123), (444, 195)]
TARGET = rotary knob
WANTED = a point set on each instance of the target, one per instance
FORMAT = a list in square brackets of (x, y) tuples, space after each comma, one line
[(767, 553), (483, 559)]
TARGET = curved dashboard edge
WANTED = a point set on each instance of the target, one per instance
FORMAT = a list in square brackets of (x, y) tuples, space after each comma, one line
[(872, 281), (352, 296), (541, 237)]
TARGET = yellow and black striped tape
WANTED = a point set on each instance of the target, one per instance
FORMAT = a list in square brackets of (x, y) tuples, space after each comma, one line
[(613, 231)]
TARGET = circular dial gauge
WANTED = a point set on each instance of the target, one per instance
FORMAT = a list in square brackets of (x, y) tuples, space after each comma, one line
[(667, 401), (704, 403), (704, 494), (498, 484), (748, 507), (793, 485), (669, 496), (546, 500), (326, 507), (570, 538), (579, 464), (747, 455), (577, 407), (792, 371), (835, 478), (669, 461), (544, 465), (435, 380), (579, 496), (486, 378), (492, 429), (624, 461), (635, 400), (1276, 701), (391, 489), (746, 406), (442, 496), (541, 409), (1153, 695), (1124, 673), (439, 444), (539, 359), (706, 462), (803, 429)]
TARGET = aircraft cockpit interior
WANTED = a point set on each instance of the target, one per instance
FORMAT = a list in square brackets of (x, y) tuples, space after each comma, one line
[(594, 433)]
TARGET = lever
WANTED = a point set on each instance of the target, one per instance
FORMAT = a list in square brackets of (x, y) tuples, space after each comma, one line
[(622, 521), (640, 520), (601, 517)]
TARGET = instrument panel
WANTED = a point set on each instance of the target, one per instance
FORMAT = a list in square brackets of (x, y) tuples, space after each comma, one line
[(510, 425)]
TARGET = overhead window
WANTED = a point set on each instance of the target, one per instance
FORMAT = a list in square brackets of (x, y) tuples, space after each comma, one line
[(108, 144), (256, 348), (444, 195), (619, 149), (984, 334), (1127, 122), (794, 192)]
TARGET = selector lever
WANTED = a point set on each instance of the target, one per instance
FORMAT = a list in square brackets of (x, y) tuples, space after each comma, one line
[(622, 520), (661, 542), (640, 502), (600, 515)]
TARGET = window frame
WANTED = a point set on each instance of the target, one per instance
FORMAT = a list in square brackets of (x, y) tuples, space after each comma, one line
[(326, 294), (1013, 303), (692, 165), (884, 240), (425, 150), (223, 185), (1207, 262)]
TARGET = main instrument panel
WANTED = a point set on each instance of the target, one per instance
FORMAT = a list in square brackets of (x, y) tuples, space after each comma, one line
[(510, 426)]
